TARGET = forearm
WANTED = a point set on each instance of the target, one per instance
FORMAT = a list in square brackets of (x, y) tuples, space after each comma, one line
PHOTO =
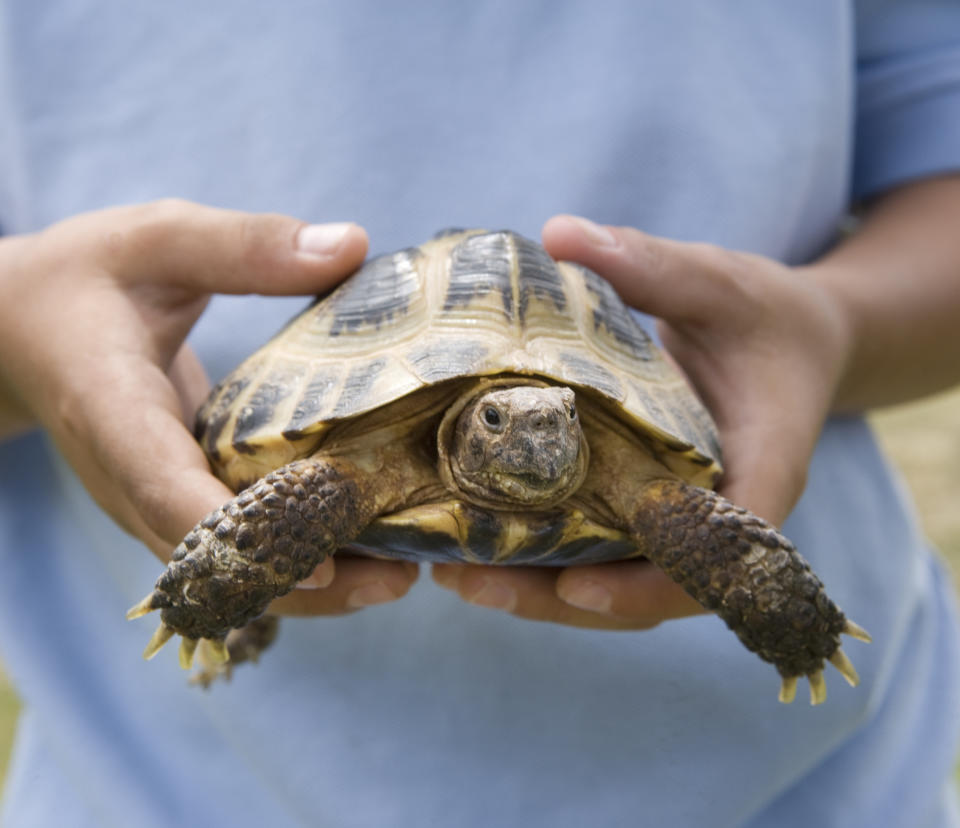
[(896, 285)]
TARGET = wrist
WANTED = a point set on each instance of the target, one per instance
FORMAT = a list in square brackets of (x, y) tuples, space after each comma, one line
[(840, 330), (15, 415)]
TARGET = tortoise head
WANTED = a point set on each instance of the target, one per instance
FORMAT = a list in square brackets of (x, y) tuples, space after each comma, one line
[(519, 445)]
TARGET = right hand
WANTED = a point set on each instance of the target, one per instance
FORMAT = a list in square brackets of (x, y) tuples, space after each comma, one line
[(93, 316)]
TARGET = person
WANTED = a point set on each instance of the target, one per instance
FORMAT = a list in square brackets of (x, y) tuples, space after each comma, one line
[(166, 166)]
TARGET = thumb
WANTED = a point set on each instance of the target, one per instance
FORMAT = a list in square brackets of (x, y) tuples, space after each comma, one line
[(211, 250), (679, 282)]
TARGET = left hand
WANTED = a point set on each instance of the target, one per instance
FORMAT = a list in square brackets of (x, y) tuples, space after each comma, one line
[(762, 344)]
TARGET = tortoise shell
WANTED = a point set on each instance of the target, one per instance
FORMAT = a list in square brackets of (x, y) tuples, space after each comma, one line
[(465, 304)]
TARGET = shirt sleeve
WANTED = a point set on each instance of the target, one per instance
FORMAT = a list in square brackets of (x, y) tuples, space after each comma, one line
[(908, 93)]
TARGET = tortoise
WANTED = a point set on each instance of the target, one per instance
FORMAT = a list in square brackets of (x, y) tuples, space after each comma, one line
[(473, 400)]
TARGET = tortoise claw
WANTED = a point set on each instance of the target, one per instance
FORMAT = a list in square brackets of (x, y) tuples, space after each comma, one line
[(187, 648), (215, 651), (214, 659), (148, 604), (788, 690), (162, 635), (818, 688), (856, 631), (845, 666)]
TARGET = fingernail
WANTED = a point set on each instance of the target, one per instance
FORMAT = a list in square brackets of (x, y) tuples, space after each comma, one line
[(322, 239), (494, 596), (596, 233), (370, 594), (589, 596)]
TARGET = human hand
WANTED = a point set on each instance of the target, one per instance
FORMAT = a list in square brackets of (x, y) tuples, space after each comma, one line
[(762, 345), (93, 316)]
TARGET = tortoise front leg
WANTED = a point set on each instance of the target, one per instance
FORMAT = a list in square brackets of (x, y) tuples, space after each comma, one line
[(740, 567), (255, 548)]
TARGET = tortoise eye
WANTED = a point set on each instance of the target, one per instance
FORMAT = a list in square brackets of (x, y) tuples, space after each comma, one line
[(572, 412), (491, 416)]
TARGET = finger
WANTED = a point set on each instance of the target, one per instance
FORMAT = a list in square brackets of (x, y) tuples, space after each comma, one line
[(190, 381), (358, 583), (132, 449), (527, 592), (676, 281), (633, 591), (211, 250)]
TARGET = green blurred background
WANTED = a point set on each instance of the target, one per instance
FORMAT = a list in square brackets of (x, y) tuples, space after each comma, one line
[(924, 440)]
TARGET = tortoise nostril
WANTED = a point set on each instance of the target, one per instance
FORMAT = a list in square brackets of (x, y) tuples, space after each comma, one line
[(544, 419)]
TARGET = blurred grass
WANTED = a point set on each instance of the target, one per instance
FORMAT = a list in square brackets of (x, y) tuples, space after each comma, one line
[(9, 706), (923, 439)]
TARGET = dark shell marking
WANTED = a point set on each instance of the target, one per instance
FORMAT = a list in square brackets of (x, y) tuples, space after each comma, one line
[(260, 410), (612, 316), (310, 404), (213, 417), (478, 266), (378, 293), (541, 278)]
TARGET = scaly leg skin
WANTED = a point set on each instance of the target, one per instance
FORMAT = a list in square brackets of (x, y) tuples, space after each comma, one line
[(254, 548), (738, 566)]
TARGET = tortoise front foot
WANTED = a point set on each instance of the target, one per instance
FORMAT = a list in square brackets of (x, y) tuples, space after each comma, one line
[(818, 687), (254, 548), (740, 567)]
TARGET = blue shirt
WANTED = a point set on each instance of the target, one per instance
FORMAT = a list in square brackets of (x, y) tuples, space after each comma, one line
[(752, 125)]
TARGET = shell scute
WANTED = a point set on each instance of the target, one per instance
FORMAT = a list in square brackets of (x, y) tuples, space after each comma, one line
[(456, 360), (215, 414), (541, 280), (260, 411), (312, 402), (378, 295), (357, 386), (480, 265), (611, 316)]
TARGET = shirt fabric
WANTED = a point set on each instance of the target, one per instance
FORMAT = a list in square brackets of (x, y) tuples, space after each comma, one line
[(752, 125)]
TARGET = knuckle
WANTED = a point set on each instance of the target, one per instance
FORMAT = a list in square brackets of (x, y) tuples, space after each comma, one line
[(69, 420), (153, 506), (140, 229), (171, 206), (735, 276), (160, 216), (721, 262), (647, 254), (263, 240)]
